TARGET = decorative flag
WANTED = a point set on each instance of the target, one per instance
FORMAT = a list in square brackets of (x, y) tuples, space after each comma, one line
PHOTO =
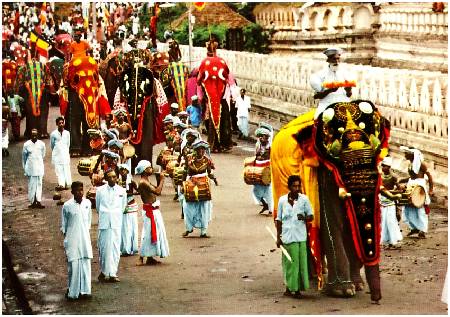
[(199, 5)]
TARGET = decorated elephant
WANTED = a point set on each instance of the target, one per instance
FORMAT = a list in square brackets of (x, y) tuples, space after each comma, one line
[(9, 73), (146, 100), (213, 78), (110, 70), (85, 102), (337, 157), (32, 84)]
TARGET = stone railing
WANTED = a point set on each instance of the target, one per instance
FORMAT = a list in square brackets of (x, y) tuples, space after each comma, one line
[(417, 19), (415, 102)]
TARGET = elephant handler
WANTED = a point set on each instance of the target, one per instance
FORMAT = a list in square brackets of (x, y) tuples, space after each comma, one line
[(417, 218), (153, 238), (332, 73), (294, 210)]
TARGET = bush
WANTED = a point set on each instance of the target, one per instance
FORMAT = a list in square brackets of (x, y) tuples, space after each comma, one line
[(256, 40)]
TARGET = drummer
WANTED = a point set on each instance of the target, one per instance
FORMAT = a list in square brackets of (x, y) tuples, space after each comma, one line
[(124, 128), (417, 218), (183, 115), (198, 214), (390, 230), (263, 193), (180, 127)]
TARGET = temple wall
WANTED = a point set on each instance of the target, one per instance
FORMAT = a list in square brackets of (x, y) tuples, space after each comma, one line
[(415, 102)]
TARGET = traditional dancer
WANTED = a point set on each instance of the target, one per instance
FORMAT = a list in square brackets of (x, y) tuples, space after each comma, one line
[(153, 238)]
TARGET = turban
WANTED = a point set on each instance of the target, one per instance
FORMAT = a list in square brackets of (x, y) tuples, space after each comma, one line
[(262, 131), (174, 105), (142, 166), (194, 97), (332, 51), (168, 118), (180, 124), (110, 154), (124, 166), (387, 161), (115, 142), (182, 114), (199, 144)]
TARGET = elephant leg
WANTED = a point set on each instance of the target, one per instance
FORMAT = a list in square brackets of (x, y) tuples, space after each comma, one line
[(373, 279), (332, 235), (225, 127), (43, 118), (32, 122), (85, 147), (355, 264), (74, 117), (146, 148), (212, 137)]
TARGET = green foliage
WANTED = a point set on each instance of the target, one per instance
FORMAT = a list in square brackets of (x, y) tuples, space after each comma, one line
[(168, 15), (256, 40), (201, 34)]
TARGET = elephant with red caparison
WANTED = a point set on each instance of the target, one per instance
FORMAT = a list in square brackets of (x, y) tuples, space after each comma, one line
[(213, 78), (340, 151)]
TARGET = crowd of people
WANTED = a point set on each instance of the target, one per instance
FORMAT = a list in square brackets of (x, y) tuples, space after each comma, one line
[(186, 159)]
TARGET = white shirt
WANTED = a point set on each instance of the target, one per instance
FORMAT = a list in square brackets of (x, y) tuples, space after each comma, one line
[(75, 224), (110, 203), (327, 75), (242, 106), (293, 230), (33, 158), (60, 144)]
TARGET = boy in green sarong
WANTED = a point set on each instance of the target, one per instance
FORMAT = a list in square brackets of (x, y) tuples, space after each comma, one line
[(294, 209)]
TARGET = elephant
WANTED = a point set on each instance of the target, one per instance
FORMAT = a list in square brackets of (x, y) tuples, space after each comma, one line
[(32, 84), (9, 73), (213, 78), (178, 75), (110, 69), (337, 158), (145, 98), (85, 102)]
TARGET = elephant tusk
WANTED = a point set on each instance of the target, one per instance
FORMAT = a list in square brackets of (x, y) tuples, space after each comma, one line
[(221, 74)]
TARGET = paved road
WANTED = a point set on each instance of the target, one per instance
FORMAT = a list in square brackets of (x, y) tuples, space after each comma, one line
[(236, 271)]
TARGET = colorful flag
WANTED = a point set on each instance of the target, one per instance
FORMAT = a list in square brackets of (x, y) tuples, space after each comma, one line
[(199, 5)]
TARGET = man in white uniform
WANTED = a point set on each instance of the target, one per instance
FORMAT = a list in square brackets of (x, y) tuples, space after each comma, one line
[(331, 73), (33, 154), (111, 200), (75, 224), (243, 105), (60, 144)]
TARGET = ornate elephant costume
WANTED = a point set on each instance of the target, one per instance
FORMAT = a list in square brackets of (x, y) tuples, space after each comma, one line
[(9, 73), (145, 98), (213, 77), (337, 157), (32, 84), (86, 102)]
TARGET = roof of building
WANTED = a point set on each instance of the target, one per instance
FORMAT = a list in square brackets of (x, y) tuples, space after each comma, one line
[(214, 13)]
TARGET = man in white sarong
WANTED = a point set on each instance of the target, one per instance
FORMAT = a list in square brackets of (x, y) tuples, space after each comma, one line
[(33, 154), (60, 145), (417, 218), (130, 230), (331, 73), (243, 104), (111, 201), (390, 230), (153, 238), (75, 225)]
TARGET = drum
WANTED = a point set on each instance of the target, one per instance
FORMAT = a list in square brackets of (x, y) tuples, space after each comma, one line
[(249, 161), (97, 179), (413, 196), (91, 195), (171, 165), (178, 173), (162, 154), (197, 189), (128, 150), (255, 175), (86, 166), (167, 158)]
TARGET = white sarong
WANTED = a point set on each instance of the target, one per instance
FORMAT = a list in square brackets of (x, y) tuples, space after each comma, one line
[(34, 188), (161, 247), (109, 250), (129, 244), (79, 277)]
